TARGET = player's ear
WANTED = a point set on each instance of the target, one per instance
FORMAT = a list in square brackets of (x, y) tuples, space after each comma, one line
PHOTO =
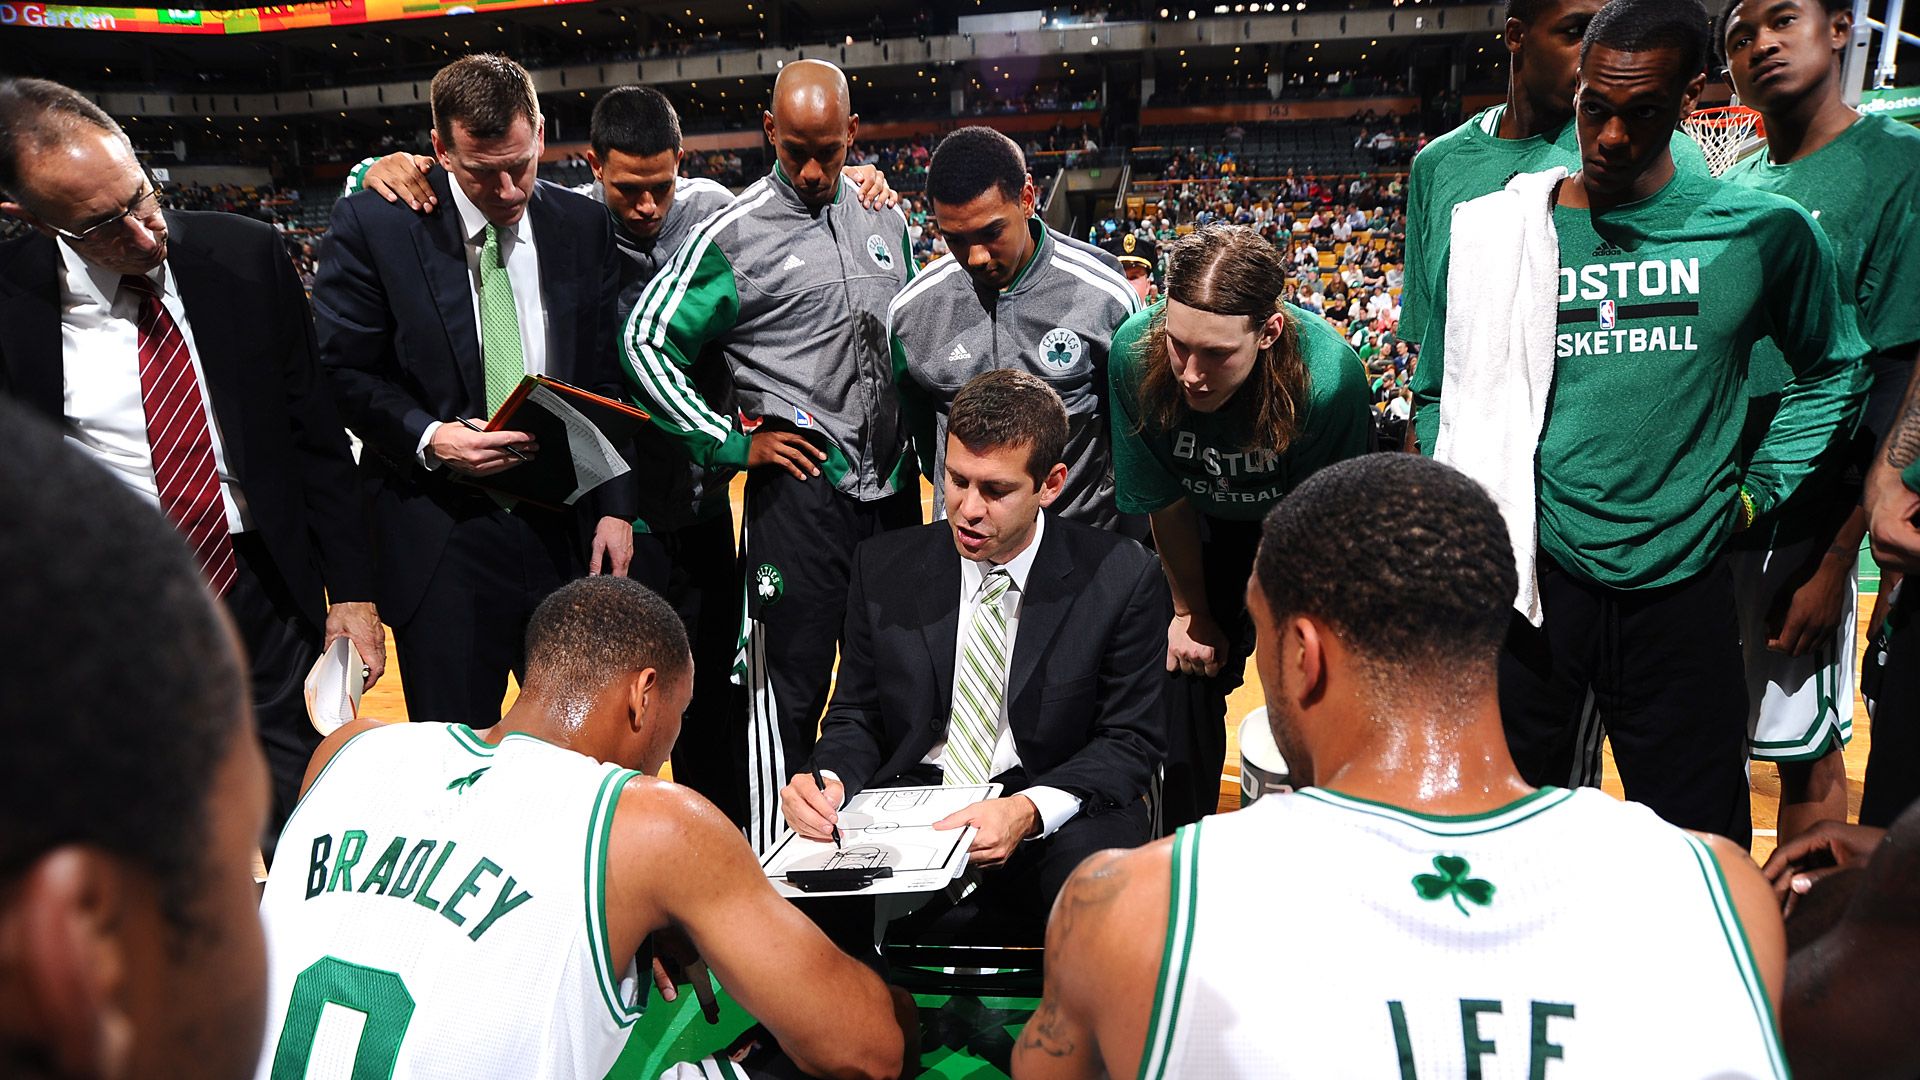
[(1841, 29), (1515, 36), (643, 697), (1695, 87), (64, 967), (1306, 655)]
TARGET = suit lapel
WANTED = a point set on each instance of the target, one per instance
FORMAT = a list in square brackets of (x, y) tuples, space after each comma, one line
[(548, 229), (443, 262), (209, 289), (30, 311), (1042, 609), (940, 618)]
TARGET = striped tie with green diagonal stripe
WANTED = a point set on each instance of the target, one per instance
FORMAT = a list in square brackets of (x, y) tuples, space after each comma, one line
[(979, 686), (499, 325)]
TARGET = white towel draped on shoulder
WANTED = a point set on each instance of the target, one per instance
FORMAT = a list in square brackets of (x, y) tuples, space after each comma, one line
[(1502, 315)]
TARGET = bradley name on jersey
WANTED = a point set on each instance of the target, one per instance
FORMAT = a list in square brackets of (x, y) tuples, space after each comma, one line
[(331, 868), (1655, 289)]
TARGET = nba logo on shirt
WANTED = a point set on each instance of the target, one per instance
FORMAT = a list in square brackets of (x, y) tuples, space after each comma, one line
[(1608, 315), (803, 418)]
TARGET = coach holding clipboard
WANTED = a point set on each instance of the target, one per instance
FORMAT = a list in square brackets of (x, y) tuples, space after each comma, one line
[(425, 321)]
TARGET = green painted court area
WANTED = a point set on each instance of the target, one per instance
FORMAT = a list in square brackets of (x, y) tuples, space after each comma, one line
[(960, 1037)]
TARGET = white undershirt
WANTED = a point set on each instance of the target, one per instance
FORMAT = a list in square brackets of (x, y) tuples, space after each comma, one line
[(522, 260), (1056, 807), (100, 375)]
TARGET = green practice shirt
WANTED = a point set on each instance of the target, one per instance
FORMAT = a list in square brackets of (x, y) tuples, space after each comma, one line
[(1207, 457), (1660, 304), (1470, 161), (1864, 190)]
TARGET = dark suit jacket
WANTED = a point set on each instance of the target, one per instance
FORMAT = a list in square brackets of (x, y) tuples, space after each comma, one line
[(284, 442), (393, 306), (1083, 687)]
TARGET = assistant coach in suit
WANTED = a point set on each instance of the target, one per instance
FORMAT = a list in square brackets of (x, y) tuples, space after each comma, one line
[(176, 349), (1002, 644), (425, 321)]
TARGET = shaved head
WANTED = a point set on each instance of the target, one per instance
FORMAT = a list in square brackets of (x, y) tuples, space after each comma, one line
[(811, 124)]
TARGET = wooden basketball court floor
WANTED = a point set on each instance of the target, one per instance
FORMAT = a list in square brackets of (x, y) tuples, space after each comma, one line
[(971, 1037)]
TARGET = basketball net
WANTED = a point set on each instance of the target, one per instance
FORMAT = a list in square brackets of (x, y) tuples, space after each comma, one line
[(1722, 133)]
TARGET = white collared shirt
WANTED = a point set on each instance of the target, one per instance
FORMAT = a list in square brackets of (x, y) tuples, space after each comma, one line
[(1056, 807), (100, 369), (522, 260)]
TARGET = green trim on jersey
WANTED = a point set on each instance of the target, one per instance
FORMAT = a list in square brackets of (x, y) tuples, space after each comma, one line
[(599, 839), (470, 740), (1183, 894), (1513, 813), (1741, 950)]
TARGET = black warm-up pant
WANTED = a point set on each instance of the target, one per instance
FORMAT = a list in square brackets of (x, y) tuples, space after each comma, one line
[(1664, 668), (1197, 705), (1893, 764), (695, 569), (797, 555)]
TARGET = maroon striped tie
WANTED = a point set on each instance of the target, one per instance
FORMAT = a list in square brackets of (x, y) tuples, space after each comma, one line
[(182, 446)]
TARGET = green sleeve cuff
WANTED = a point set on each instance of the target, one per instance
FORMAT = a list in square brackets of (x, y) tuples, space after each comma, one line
[(732, 453)]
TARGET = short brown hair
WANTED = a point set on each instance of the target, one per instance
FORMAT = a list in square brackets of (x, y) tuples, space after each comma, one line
[(1231, 270), (37, 115), (1011, 408), (485, 92)]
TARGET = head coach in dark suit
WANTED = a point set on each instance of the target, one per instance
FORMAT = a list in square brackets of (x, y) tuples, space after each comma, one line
[(1002, 644), (427, 321), (176, 349)]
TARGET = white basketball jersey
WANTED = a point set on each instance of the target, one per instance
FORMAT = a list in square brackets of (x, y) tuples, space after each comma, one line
[(1566, 935), (436, 910)]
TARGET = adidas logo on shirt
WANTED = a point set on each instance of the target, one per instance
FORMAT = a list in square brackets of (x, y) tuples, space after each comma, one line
[(958, 354), (1607, 247), (794, 262)]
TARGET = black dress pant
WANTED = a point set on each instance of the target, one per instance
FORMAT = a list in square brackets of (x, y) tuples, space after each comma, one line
[(1197, 705), (1664, 668), (695, 569), (1893, 765), (797, 558), (281, 646), (470, 627)]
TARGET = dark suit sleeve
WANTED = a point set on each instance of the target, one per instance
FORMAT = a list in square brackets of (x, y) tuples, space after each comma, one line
[(330, 486), (357, 336), (1130, 722), (852, 736), (619, 497)]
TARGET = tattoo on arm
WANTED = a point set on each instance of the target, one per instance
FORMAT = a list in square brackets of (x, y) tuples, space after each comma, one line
[(1050, 1031), (1047, 1033), (1903, 443)]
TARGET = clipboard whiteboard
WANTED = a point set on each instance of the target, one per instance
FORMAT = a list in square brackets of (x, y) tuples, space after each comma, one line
[(887, 827)]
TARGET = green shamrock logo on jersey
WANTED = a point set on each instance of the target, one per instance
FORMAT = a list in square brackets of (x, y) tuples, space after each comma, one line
[(1453, 880), (462, 783), (768, 584)]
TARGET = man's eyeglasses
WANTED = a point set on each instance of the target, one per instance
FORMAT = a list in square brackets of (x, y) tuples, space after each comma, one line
[(142, 208)]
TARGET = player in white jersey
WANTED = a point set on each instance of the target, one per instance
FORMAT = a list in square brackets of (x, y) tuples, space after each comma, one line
[(469, 904), (1417, 910)]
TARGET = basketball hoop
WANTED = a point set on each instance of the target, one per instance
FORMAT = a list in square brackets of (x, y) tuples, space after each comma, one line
[(1723, 133)]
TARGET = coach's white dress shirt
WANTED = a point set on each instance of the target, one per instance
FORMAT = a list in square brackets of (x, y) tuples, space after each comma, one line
[(522, 260), (100, 368)]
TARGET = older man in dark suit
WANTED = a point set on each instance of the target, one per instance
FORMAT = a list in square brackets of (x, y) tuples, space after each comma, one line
[(1004, 645), (177, 351), (426, 324)]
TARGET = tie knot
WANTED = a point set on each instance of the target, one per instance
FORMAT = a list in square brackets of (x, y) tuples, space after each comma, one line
[(995, 586), (140, 285)]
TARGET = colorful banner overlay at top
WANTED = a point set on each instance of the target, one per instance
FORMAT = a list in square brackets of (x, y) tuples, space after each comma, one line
[(247, 20)]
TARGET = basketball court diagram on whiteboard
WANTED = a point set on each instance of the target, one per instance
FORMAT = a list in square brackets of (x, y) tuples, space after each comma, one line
[(888, 827)]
